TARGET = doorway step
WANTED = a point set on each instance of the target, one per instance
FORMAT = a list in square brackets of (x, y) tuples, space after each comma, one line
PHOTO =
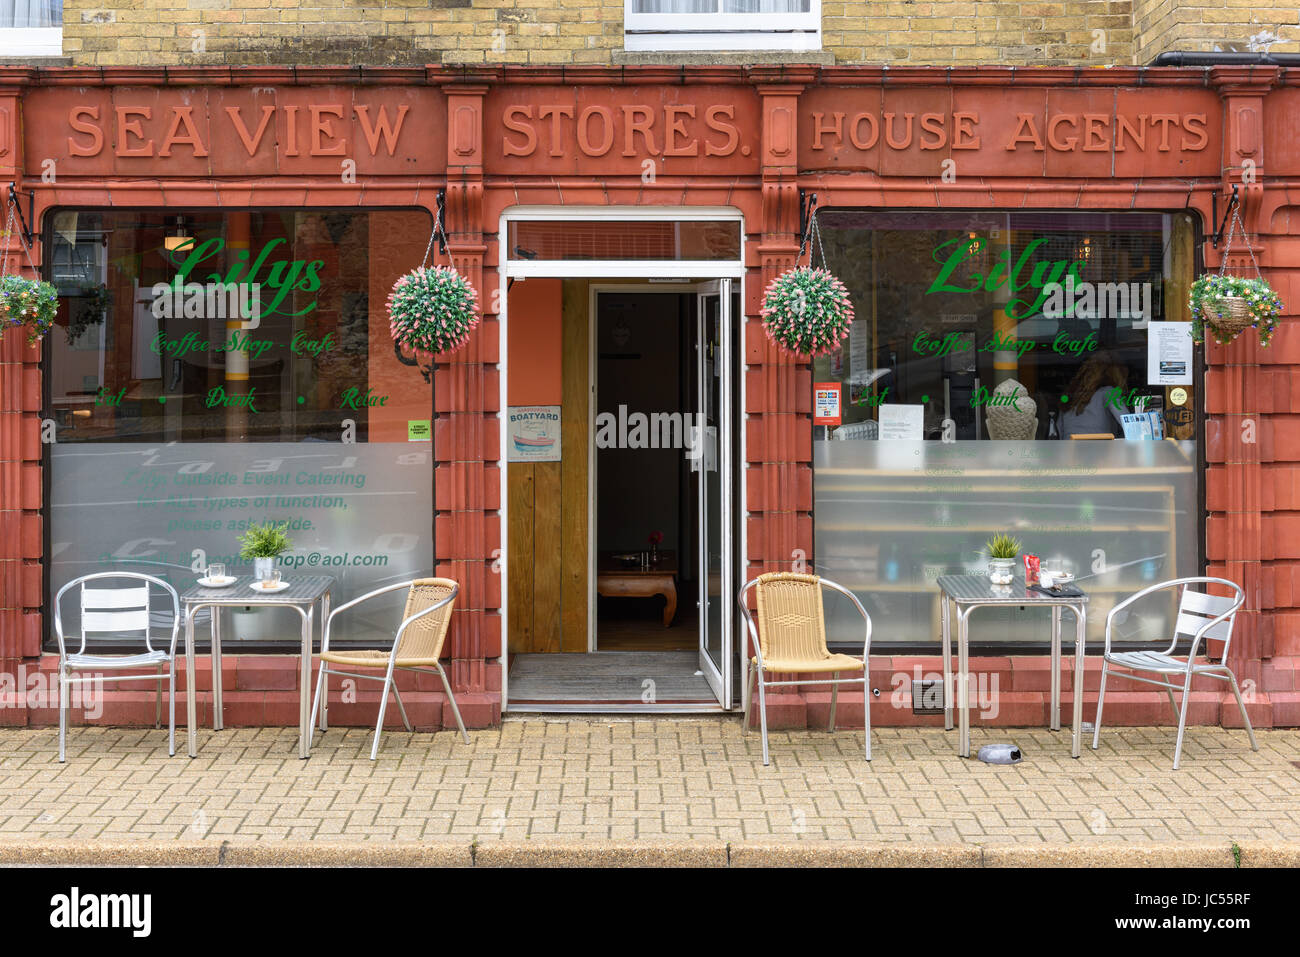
[(645, 682)]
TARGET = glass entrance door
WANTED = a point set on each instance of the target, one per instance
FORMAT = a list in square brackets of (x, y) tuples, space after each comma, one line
[(712, 465)]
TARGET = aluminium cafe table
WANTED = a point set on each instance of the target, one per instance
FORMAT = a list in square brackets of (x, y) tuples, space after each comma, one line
[(969, 592), (301, 595)]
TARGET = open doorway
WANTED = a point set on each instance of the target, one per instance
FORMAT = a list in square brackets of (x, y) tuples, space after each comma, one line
[(639, 496), (648, 440)]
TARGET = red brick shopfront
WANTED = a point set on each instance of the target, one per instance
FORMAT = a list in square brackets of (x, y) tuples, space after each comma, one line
[(620, 225)]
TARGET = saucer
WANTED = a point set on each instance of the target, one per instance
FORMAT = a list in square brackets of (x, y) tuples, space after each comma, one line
[(218, 582), (257, 586)]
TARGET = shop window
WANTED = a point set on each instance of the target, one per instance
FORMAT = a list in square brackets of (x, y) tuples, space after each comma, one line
[(211, 369), (613, 240), (722, 25), (31, 28), (1002, 376)]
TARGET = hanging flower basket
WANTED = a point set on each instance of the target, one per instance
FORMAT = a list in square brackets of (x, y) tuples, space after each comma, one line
[(27, 302), (1227, 306), (807, 311), (432, 310)]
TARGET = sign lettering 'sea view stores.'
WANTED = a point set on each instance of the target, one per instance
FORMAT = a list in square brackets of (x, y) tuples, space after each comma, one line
[(534, 433)]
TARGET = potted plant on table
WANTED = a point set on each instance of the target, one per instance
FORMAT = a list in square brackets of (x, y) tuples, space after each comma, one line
[(264, 544), (1002, 549)]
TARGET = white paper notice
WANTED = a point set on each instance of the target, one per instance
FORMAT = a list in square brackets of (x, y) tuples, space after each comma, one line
[(1169, 353), (902, 422)]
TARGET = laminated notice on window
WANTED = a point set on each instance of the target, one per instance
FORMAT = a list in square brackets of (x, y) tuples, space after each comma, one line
[(1169, 353), (902, 422)]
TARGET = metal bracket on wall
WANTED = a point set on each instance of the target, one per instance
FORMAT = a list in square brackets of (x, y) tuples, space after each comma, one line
[(1214, 214), (14, 193), (807, 204), (440, 223)]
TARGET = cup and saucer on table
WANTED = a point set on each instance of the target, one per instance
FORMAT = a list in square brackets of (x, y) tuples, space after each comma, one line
[(1056, 576), (271, 584), (217, 577)]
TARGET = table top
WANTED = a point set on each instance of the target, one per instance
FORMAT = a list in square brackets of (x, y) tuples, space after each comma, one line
[(667, 565), (977, 589), (301, 591)]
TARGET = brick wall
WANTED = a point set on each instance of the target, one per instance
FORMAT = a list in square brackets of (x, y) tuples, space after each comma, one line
[(1162, 25), (1090, 32), (416, 32), (590, 31), (379, 33)]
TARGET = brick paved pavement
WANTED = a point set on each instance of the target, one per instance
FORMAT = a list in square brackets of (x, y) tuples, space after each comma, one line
[(648, 779)]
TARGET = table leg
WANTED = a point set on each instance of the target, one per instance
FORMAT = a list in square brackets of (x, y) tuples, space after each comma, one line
[(946, 631), (1054, 715), (963, 680), (190, 709), (218, 708), (1080, 628), (304, 680), (670, 603)]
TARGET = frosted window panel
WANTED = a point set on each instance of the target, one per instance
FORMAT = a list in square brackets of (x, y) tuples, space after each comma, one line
[(356, 512), (892, 516)]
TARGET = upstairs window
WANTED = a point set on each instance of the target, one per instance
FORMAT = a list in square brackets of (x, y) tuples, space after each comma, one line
[(31, 28), (714, 25)]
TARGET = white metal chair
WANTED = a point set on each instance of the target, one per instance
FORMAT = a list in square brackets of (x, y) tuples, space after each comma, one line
[(417, 646), (791, 637), (1200, 617), (112, 612)]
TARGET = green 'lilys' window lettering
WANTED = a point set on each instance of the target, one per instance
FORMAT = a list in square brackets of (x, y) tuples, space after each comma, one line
[(1002, 374), (235, 369)]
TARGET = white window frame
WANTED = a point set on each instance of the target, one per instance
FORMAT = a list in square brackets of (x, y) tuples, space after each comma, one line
[(722, 31), (31, 41), (623, 269)]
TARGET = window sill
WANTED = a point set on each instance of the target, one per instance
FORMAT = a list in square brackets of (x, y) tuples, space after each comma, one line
[(36, 61), (722, 57)]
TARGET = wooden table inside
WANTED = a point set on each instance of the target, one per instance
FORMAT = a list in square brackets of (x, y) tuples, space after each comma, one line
[(614, 579)]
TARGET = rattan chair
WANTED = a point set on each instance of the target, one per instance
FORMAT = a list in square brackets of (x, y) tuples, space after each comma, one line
[(1200, 616), (790, 637), (112, 613), (417, 646)]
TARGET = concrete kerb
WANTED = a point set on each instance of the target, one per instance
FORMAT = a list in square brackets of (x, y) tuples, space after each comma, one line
[(701, 854)]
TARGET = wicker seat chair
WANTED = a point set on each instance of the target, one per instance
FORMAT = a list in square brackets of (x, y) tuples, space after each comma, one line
[(790, 637), (417, 646)]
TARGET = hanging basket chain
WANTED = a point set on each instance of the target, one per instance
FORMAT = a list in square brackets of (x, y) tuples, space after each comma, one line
[(1245, 238), (9, 232), (438, 233)]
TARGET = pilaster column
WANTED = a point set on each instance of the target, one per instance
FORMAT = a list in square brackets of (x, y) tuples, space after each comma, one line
[(466, 393), (21, 535), (1240, 397)]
